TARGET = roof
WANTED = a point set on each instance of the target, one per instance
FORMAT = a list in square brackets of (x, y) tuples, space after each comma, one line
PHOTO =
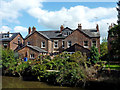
[(74, 49), (38, 33), (53, 34), (56, 33), (91, 32), (37, 49), (8, 39)]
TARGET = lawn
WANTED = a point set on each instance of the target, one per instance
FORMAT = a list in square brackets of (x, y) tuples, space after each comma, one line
[(113, 67)]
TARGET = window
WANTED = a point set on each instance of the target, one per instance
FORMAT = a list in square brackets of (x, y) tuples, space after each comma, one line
[(5, 45), (32, 56), (6, 36), (63, 44), (55, 43), (28, 43), (86, 44), (18, 40), (94, 43), (42, 44), (67, 33), (69, 44)]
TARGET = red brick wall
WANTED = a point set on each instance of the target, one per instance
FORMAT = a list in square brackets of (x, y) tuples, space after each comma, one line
[(14, 46), (35, 39), (79, 38), (23, 51)]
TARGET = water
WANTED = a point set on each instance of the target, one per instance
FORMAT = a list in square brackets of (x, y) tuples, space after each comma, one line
[(16, 82)]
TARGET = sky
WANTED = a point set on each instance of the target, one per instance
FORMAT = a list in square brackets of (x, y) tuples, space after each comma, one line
[(19, 15)]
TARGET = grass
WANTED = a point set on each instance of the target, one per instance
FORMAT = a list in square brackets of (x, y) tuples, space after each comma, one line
[(113, 67)]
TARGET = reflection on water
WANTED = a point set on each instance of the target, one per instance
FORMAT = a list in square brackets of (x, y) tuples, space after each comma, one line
[(16, 82)]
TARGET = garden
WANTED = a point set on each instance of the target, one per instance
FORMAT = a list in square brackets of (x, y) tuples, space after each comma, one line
[(73, 70)]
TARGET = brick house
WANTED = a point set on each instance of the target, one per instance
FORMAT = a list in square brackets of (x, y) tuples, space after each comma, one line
[(11, 40), (54, 42)]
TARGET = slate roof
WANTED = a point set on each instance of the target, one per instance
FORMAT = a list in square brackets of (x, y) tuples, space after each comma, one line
[(53, 34), (56, 34), (39, 33), (91, 32), (8, 39), (37, 49)]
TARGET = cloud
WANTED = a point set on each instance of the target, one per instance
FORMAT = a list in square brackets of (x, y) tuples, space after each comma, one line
[(10, 11), (88, 17), (5, 29), (20, 29)]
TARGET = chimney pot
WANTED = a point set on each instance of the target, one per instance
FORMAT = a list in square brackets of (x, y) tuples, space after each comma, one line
[(61, 28), (8, 32), (29, 30), (33, 29), (79, 26), (97, 27)]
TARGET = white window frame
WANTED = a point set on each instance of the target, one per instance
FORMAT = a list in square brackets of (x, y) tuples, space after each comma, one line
[(6, 36), (42, 44), (32, 56), (5, 44), (56, 44), (96, 43), (68, 44), (18, 39), (63, 45), (84, 44)]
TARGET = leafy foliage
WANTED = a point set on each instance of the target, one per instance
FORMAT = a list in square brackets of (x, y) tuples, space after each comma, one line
[(103, 47), (115, 34), (63, 69), (94, 55)]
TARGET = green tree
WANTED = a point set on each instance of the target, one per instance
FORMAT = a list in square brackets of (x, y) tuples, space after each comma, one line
[(9, 62), (114, 33), (104, 49), (94, 55)]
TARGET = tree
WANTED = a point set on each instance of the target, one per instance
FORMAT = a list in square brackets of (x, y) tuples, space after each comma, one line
[(115, 34), (104, 49), (94, 55)]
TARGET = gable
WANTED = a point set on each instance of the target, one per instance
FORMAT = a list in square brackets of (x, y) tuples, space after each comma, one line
[(39, 33)]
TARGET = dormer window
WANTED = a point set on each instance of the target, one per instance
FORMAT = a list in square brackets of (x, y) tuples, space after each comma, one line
[(6, 36)]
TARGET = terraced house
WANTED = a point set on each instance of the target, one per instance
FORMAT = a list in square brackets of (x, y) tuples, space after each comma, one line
[(54, 42), (13, 41)]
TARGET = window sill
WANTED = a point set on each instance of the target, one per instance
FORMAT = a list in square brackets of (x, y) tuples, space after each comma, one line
[(42, 47), (86, 47)]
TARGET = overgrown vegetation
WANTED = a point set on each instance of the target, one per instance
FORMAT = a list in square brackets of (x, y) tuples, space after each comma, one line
[(115, 34), (63, 69), (94, 55)]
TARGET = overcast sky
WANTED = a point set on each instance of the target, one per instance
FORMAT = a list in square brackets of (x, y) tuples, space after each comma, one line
[(18, 15)]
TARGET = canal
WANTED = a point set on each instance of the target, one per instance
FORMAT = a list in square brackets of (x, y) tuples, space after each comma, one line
[(16, 82)]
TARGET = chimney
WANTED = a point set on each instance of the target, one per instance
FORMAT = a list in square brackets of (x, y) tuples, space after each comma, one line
[(97, 27), (61, 28), (79, 26), (29, 30), (33, 29), (8, 32)]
